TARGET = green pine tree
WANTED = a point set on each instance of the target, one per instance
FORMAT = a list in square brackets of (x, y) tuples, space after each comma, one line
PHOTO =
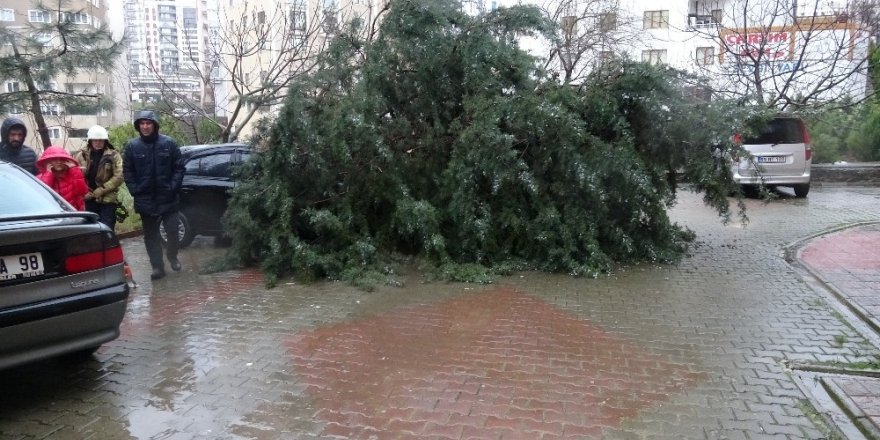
[(443, 141), (36, 54)]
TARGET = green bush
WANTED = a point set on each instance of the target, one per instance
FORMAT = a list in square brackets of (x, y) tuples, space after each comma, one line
[(864, 141)]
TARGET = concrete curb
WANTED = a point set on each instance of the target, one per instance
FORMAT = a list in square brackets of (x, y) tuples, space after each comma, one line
[(861, 420), (130, 234), (792, 256)]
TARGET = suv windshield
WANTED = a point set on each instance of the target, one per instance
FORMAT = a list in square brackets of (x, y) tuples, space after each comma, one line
[(24, 195), (779, 131)]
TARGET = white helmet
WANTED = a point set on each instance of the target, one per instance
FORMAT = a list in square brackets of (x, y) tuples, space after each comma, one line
[(97, 132)]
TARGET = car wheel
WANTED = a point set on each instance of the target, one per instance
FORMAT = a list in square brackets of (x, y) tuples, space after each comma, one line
[(802, 190), (185, 231)]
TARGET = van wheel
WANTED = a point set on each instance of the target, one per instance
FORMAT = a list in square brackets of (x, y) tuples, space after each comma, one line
[(751, 191), (801, 190)]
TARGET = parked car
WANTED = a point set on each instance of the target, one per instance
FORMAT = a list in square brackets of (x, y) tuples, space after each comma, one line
[(207, 184), (62, 282), (781, 155)]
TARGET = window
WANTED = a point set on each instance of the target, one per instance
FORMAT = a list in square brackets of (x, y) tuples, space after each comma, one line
[(716, 16), (78, 132), (7, 14), (50, 110), (13, 86), (705, 55), (74, 17), (212, 165), (654, 56), (656, 20), (608, 21), (261, 17), (39, 16), (56, 132), (297, 21)]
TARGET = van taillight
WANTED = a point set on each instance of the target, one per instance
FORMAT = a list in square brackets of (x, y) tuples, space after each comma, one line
[(808, 146), (92, 252)]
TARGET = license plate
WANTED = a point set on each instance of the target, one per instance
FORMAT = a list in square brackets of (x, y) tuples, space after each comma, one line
[(771, 159), (21, 266)]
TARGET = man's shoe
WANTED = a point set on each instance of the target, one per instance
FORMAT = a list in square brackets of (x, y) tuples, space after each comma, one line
[(157, 273), (175, 265)]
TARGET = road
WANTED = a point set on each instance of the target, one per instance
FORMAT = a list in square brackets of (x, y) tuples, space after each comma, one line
[(703, 349)]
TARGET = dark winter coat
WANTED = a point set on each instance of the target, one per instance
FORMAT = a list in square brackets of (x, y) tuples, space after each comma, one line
[(153, 170), (23, 156)]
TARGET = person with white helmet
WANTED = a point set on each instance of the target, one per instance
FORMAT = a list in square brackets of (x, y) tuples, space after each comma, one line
[(102, 167)]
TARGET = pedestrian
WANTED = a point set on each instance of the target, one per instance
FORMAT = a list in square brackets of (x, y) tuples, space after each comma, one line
[(153, 172), (61, 172), (102, 166), (12, 147)]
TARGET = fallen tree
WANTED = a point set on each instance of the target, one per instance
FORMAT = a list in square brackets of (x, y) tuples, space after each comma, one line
[(446, 144)]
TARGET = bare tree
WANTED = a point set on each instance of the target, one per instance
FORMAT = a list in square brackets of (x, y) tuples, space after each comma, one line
[(252, 59), (63, 44), (786, 54), (590, 32)]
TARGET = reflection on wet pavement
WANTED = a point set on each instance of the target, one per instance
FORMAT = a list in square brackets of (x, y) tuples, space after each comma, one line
[(693, 350), (486, 364)]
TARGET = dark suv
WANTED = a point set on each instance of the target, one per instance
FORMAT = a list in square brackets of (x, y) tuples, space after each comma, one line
[(207, 183)]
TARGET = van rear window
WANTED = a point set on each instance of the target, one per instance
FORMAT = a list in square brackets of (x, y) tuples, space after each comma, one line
[(779, 131)]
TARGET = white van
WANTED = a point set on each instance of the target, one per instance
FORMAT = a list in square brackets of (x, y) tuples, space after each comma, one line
[(781, 155)]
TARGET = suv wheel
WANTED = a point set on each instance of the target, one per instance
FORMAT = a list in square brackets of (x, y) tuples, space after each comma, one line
[(184, 231), (802, 190)]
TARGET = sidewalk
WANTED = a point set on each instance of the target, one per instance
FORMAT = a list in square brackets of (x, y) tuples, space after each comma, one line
[(848, 263)]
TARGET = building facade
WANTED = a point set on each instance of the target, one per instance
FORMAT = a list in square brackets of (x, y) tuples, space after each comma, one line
[(168, 53), (788, 49), (68, 125)]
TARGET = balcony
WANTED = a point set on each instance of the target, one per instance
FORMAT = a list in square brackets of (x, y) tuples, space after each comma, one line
[(703, 21)]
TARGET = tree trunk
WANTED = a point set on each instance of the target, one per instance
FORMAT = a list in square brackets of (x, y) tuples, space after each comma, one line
[(34, 94)]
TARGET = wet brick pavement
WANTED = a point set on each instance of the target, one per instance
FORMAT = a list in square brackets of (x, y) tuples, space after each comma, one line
[(699, 350), (848, 263)]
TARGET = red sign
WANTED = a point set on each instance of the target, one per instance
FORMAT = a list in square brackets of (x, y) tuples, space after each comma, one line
[(769, 45)]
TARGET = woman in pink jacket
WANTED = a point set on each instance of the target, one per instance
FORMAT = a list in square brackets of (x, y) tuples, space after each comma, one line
[(61, 172)]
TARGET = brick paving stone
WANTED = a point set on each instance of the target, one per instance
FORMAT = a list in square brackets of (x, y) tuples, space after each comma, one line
[(693, 350)]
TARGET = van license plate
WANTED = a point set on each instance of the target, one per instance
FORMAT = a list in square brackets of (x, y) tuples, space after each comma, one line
[(21, 266), (771, 159)]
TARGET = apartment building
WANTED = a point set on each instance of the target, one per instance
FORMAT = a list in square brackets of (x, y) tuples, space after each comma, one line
[(68, 125), (796, 46), (268, 44), (169, 57)]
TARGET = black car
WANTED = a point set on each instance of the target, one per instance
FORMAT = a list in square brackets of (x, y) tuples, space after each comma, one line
[(62, 282), (207, 184)]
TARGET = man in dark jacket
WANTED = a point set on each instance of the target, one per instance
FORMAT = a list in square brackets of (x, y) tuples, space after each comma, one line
[(153, 171), (12, 147)]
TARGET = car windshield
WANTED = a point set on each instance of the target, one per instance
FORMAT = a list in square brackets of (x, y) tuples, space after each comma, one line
[(779, 131), (24, 195)]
